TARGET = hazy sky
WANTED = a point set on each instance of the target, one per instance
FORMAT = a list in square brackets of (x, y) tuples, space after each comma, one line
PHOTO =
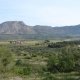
[(41, 12)]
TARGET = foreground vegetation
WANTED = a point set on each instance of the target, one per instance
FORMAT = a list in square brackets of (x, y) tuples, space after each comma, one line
[(41, 60)]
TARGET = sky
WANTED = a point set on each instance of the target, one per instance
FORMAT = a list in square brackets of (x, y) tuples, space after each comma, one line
[(41, 12)]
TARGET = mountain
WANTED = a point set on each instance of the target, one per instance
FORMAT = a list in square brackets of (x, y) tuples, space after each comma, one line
[(19, 30), (64, 31), (15, 27)]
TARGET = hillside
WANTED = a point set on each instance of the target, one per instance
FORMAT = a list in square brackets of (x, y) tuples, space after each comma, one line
[(18, 29), (15, 27)]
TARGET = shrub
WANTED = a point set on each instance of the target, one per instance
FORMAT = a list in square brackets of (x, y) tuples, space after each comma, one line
[(23, 70), (18, 62), (53, 63), (5, 58), (49, 76)]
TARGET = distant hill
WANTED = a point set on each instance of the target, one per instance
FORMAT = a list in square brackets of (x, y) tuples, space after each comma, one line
[(18, 29)]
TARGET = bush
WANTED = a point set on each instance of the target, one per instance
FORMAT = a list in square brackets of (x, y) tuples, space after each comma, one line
[(53, 63), (22, 70), (5, 59), (34, 55), (18, 62), (49, 76), (62, 62)]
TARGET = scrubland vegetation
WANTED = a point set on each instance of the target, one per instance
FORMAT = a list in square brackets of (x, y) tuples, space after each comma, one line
[(43, 60)]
